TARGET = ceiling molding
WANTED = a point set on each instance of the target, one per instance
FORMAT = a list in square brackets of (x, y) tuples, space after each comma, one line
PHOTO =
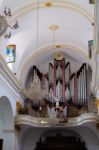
[(32, 6), (43, 50)]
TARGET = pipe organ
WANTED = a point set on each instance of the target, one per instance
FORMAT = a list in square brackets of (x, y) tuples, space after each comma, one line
[(82, 85), (59, 77), (64, 88), (78, 86)]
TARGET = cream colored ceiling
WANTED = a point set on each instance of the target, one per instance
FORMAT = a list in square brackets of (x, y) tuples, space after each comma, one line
[(74, 18)]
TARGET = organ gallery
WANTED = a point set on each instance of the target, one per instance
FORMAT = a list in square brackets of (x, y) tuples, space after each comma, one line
[(60, 92)]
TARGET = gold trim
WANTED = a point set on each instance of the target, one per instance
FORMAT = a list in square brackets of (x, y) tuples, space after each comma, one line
[(48, 4), (58, 46), (58, 55), (53, 27), (97, 102), (30, 120), (18, 106)]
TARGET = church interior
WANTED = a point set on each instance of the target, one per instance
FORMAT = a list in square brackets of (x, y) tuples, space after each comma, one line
[(49, 74)]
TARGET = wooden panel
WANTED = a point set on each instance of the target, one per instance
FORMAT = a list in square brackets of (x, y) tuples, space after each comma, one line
[(72, 110)]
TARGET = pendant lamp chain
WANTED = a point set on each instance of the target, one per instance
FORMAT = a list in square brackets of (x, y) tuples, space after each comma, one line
[(37, 34), (53, 28)]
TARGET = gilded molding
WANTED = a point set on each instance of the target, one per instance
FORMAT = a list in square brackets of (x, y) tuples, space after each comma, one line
[(48, 122)]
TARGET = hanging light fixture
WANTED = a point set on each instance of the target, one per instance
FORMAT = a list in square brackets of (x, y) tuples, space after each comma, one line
[(35, 93), (4, 24), (58, 108), (53, 28)]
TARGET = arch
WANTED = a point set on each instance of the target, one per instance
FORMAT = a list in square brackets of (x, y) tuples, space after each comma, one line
[(44, 50), (66, 132), (65, 139), (6, 116), (33, 5), (6, 113), (31, 136), (35, 135)]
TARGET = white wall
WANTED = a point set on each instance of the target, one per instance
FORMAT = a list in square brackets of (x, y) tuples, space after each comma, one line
[(7, 90), (89, 137), (29, 138), (7, 124), (1, 128), (9, 85)]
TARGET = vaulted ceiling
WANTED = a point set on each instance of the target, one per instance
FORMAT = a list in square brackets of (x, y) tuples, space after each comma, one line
[(74, 19)]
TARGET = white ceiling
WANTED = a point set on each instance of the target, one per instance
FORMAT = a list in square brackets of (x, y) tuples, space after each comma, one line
[(74, 18)]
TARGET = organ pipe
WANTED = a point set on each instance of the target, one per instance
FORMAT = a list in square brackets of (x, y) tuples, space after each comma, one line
[(65, 87)]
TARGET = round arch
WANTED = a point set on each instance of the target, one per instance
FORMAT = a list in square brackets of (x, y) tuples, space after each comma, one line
[(6, 116), (33, 5), (25, 67), (30, 136), (6, 112), (61, 139)]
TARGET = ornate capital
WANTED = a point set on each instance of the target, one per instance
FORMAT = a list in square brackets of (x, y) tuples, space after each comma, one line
[(97, 102)]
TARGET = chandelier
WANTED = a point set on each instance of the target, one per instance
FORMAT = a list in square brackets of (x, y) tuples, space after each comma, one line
[(35, 93), (4, 24)]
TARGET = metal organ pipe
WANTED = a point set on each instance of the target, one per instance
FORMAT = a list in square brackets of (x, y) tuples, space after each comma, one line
[(83, 86), (84, 73), (65, 87), (79, 98)]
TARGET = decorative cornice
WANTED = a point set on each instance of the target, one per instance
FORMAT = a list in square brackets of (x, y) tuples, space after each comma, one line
[(9, 76), (48, 122)]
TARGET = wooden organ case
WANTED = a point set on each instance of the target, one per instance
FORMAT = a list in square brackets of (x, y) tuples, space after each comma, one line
[(65, 92), (59, 76), (59, 85), (69, 89)]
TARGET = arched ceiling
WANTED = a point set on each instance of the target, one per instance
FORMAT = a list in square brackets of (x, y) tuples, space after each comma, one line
[(74, 19)]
